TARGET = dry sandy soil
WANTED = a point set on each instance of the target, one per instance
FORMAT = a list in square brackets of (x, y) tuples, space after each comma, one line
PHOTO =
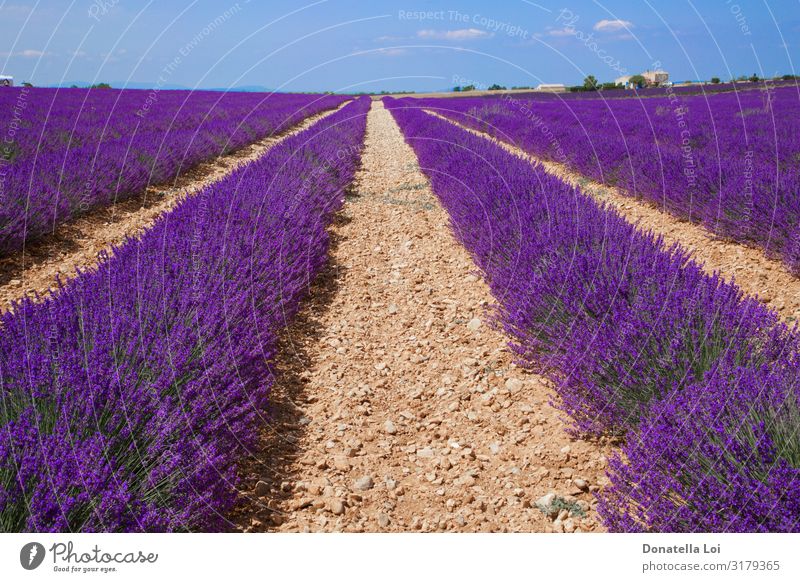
[(753, 272), (76, 244), (397, 406)]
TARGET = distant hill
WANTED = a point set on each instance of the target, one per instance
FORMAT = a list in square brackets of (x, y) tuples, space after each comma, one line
[(167, 87)]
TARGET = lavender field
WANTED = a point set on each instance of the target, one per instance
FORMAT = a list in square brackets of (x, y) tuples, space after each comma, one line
[(728, 161), (67, 151), (275, 269), (456, 330)]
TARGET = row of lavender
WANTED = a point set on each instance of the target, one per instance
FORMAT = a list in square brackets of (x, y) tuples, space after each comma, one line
[(129, 395), (701, 380), (729, 162), (694, 89), (64, 151)]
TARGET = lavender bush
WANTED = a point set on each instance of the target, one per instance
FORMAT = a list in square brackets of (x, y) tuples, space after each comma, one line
[(721, 456), (65, 151), (128, 396)]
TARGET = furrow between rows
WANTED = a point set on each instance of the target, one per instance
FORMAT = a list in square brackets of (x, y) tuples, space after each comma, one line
[(397, 406)]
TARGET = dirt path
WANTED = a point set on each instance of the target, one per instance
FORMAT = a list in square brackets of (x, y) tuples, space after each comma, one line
[(754, 273), (397, 407), (76, 244)]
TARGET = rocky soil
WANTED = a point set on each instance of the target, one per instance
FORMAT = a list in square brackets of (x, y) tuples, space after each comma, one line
[(76, 244), (753, 271), (397, 405)]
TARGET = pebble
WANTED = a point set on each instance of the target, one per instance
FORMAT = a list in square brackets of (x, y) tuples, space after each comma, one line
[(514, 385), (474, 324), (365, 483), (337, 507), (545, 503), (389, 427), (581, 484), (383, 520), (262, 488)]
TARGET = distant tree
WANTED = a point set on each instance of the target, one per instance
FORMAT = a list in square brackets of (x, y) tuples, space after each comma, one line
[(590, 83), (789, 77), (468, 88), (27, 84), (497, 87), (73, 86), (100, 86), (457, 89), (715, 80), (638, 81), (754, 78), (609, 86)]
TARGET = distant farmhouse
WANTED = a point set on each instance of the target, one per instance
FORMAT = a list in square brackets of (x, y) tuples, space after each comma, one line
[(624, 81), (552, 87), (6, 81), (656, 78), (651, 79)]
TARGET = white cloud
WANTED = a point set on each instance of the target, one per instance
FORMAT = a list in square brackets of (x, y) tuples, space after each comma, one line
[(27, 53), (612, 25), (15, 9), (392, 52), (460, 34), (561, 32), (389, 38)]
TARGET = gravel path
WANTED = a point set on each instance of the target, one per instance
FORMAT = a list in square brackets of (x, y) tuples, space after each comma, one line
[(397, 408), (754, 273), (76, 244)]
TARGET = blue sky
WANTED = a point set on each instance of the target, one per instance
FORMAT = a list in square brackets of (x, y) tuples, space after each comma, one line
[(344, 45)]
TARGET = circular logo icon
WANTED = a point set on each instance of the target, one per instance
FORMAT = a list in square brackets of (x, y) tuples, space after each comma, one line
[(31, 555)]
